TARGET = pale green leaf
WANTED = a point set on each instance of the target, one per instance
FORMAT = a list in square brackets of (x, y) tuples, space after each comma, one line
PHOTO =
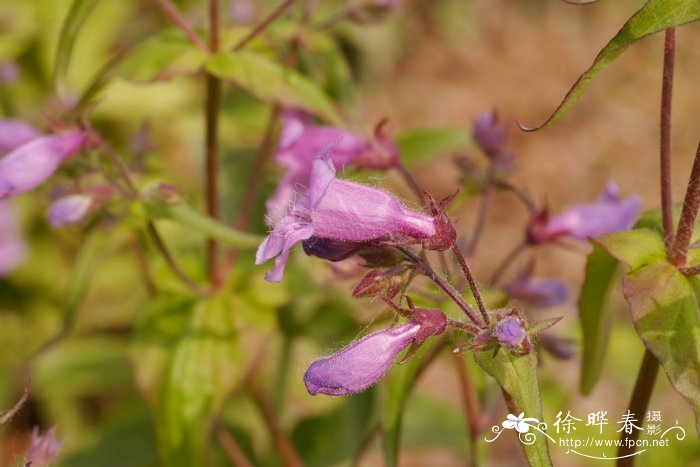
[(271, 81)]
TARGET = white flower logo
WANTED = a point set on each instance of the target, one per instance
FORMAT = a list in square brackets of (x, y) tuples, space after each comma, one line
[(520, 423)]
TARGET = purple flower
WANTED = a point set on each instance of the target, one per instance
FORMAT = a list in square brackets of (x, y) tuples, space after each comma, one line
[(608, 214), (339, 210), (365, 361), (14, 133), (510, 332), (540, 292), (69, 209), (43, 449), (300, 142), (490, 134), (31, 164), (9, 72), (13, 249)]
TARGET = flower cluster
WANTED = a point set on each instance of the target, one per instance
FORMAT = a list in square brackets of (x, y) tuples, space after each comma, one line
[(336, 220)]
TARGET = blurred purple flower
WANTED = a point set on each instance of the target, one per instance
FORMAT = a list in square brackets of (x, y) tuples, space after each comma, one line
[(540, 292), (510, 331), (242, 11), (365, 361), (15, 133), (608, 214), (33, 163), (339, 210), (9, 72), (43, 449), (490, 134), (13, 249), (69, 209), (299, 144)]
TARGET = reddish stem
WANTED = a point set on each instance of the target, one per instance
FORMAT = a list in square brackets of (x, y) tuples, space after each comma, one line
[(665, 140), (172, 12), (473, 286), (689, 214), (211, 115), (261, 26)]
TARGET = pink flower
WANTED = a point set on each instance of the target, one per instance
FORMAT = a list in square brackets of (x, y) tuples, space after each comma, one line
[(13, 249), (365, 361), (14, 133), (339, 210), (608, 214), (300, 142), (43, 449), (33, 163)]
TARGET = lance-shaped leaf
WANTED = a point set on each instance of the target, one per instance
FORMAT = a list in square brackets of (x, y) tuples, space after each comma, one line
[(517, 376), (664, 307), (653, 17), (594, 313), (271, 81), (78, 13)]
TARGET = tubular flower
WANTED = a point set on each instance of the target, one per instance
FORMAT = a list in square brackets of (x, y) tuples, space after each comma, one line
[(14, 133), (31, 164), (608, 214), (339, 210), (13, 249), (300, 142), (538, 291), (365, 361)]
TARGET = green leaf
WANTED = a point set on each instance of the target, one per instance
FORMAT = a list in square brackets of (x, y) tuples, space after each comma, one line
[(602, 271), (417, 145), (186, 216), (664, 307), (78, 13), (162, 56), (397, 387), (517, 376), (187, 358), (654, 16), (635, 248), (316, 438), (271, 81), (203, 370)]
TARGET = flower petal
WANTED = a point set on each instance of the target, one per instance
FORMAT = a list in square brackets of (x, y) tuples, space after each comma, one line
[(361, 364)]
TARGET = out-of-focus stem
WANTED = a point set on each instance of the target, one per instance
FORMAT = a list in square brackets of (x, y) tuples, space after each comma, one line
[(639, 402), (262, 25), (473, 286), (665, 140), (480, 220), (470, 403), (411, 182), (211, 115), (172, 12), (231, 448), (150, 226), (689, 215), (285, 448), (506, 262)]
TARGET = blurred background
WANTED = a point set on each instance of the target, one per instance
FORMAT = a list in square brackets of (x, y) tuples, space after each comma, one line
[(427, 64)]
